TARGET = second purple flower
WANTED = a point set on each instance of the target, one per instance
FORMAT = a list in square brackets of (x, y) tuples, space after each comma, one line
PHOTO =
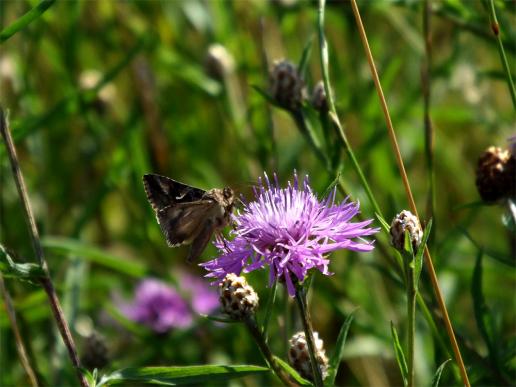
[(289, 230)]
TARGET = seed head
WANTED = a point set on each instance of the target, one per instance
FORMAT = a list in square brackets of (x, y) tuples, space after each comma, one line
[(496, 174), (405, 221), (318, 99), (218, 62), (299, 357), (237, 297), (94, 352), (286, 85)]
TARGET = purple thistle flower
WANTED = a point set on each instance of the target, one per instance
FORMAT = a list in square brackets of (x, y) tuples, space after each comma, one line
[(291, 231), (203, 298), (158, 306)]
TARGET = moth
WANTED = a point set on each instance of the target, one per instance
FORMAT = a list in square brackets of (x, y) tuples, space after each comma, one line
[(188, 215)]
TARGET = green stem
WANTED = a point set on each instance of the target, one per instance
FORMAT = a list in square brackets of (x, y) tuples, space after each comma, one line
[(323, 54), (411, 316), (307, 327), (266, 351), (495, 27)]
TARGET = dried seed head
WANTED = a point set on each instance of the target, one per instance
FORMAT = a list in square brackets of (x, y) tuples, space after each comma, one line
[(318, 99), (496, 174), (238, 299), (286, 85), (405, 221), (299, 357), (218, 62), (94, 352)]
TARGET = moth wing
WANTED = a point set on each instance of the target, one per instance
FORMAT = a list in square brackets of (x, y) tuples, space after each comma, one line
[(163, 191), (201, 240), (182, 222)]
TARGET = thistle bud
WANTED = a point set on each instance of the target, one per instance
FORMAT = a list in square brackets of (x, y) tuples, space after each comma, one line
[(405, 221), (94, 352), (286, 85), (238, 299), (218, 62), (496, 174), (299, 357), (318, 99)]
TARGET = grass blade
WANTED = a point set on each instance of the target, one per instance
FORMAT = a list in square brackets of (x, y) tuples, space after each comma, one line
[(339, 350), (170, 376), (437, 376), (92, 254), (400, 356), (292, 372)]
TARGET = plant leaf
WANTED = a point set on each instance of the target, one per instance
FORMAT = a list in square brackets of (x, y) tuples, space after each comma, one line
[(268, 308), (339, 350), (400, 356), (266, 95), (93, 254), (303, 62), (437, 376), (23, 271), (292, 372), (170, 376), (418, 260)]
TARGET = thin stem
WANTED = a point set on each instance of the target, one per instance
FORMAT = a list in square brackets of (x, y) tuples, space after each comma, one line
[(46, 282), (20, 346), (411, 319), (307, 327), (401, 167), (323, 54), (495, 27), (266, 351), (429, 128)]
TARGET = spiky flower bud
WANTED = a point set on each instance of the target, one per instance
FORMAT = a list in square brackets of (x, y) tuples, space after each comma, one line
[(405, 221), (318, 99), (237, 297), (218, 62), (286, 85), (94, 352), (299, 357), (496, 174)]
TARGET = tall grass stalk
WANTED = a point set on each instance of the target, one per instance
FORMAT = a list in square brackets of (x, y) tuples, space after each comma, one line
[(495, 27), (20, 346), (401, 167), (46, 281)]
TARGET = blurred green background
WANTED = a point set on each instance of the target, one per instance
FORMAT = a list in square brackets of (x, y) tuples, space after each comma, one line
[(101, 92)]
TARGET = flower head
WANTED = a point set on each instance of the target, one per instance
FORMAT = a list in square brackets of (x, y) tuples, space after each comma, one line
[(237, 297), (299, 357), (158, 306), (202, 297), (289, 230)]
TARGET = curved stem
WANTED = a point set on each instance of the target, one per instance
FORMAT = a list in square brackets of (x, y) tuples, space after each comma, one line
[(46, 281), (266, 352), (401, 167), (307, 326)]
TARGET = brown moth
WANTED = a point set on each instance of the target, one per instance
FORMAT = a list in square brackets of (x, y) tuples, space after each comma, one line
[(188, 215)]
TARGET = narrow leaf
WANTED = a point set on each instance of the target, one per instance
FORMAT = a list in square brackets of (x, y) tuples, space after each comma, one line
[(303, 63), (437, 376), (332, 185), (93, 254), (292, 372), (24, 271), (269, 307), (339, 350), (400, 357), (385, 226), (170, 376), (220, 319), (266, 95), (418, 260)]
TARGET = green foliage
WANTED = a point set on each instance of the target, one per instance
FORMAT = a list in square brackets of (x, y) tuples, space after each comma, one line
[(100, 93)]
